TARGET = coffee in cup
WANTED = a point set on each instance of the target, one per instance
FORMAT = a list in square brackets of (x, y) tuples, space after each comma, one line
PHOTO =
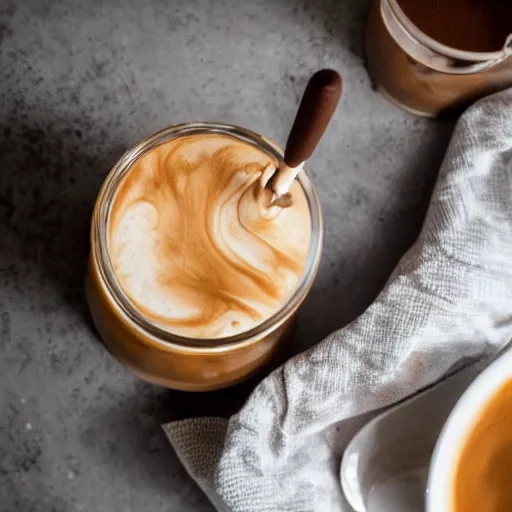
[(471, 466), (483, 475)]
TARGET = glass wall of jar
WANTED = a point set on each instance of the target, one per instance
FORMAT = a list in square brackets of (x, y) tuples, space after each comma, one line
[(160, 356)]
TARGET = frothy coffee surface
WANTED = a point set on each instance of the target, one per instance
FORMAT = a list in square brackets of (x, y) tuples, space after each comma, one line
[(193, 244)]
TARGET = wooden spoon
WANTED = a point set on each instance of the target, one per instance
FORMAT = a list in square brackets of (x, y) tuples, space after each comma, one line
[(315, 111)]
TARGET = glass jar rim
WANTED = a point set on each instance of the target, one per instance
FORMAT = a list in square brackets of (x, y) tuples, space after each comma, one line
[(100, 250), (445, 50)]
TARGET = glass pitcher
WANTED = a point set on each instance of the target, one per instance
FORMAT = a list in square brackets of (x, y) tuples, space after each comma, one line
[(423, 75)]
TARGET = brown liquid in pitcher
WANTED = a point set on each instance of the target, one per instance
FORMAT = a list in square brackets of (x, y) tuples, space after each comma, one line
[(471, 25)]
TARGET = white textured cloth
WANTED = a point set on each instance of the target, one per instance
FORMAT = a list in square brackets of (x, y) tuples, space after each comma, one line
[(449, 300)]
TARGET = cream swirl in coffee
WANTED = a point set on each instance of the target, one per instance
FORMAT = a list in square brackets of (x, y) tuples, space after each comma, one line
[(193, 244)]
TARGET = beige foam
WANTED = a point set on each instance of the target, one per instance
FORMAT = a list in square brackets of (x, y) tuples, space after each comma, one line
[(193, 245)]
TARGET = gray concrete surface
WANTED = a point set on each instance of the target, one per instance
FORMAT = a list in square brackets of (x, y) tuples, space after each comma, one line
[(81, 83)]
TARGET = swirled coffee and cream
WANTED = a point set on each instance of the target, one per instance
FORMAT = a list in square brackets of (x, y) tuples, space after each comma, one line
[(194, 244)]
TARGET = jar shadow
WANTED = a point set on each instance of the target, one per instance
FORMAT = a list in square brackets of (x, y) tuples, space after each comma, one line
[(52, 173)]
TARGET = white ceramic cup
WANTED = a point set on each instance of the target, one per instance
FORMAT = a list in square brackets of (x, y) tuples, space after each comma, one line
[(458, 427)]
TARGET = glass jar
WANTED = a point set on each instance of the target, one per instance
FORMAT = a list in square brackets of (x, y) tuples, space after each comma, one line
[(157, 355), (422, 75)]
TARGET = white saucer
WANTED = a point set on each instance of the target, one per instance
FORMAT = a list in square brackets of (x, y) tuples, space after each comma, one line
[(385, 466)]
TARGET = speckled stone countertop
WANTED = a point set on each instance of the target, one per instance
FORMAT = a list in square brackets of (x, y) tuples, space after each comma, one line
[(81, 83)]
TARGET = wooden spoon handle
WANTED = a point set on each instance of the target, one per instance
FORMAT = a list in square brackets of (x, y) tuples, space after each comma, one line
[(315, 111)]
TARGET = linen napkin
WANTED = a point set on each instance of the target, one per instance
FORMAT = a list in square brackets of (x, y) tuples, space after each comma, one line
[(448, 301)]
